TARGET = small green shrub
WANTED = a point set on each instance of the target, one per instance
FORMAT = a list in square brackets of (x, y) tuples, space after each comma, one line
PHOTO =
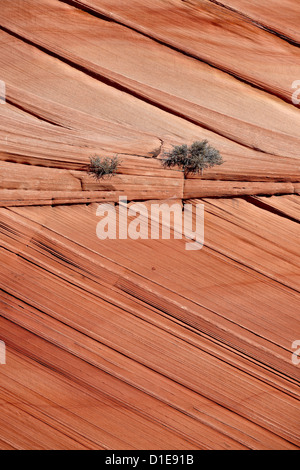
[(101, 167), (193, 159)]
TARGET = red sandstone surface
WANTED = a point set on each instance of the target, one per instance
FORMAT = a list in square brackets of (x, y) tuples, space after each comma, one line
[(142, 344)]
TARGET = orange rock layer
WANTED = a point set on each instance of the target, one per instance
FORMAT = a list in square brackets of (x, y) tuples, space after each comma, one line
[(143, 344)]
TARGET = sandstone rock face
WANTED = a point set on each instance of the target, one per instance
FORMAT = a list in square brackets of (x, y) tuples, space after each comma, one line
[(198, 188), (287, 206), (277, 17), (215, 104), (143, 343)]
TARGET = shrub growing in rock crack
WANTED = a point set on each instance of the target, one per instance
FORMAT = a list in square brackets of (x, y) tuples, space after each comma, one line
[(101, 167), (193, 159)]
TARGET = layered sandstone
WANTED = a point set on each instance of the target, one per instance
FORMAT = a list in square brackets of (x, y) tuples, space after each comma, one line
[(142, 343)]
